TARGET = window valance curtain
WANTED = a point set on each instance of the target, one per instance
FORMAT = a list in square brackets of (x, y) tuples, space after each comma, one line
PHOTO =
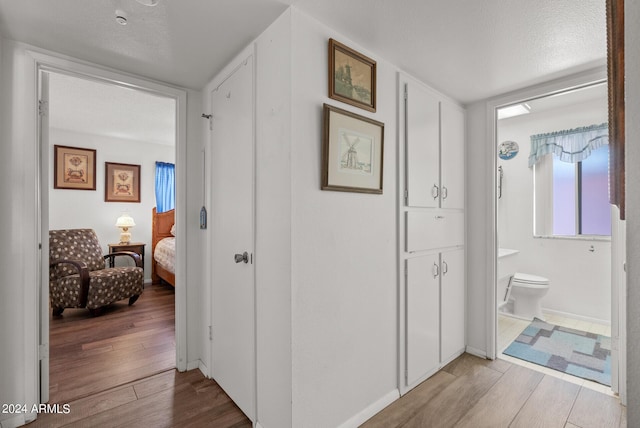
[(573, 145), (165, 187)]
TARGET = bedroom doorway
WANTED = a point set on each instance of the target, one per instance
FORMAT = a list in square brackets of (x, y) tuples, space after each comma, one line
[(148, 337)]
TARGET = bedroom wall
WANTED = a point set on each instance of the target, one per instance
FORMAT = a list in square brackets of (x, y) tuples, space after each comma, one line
[(87, 209)]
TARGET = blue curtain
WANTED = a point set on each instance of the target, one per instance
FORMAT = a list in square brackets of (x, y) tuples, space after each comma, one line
[(573, 145), (165, 187)]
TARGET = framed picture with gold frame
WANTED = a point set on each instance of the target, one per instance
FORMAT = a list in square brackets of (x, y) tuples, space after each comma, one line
[(352, 152), (122, 182), (74, 168), (352, 76)]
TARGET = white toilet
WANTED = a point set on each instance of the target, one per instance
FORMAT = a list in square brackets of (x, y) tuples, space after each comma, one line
[(526, 291)]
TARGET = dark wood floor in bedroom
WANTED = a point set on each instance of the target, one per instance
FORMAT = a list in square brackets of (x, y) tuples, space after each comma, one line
[(93, 354)]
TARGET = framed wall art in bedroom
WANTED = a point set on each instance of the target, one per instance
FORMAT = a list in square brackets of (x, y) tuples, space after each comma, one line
[(74, 168), (122, 182)]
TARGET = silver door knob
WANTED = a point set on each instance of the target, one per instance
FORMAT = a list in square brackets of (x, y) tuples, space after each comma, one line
[(244, 257)]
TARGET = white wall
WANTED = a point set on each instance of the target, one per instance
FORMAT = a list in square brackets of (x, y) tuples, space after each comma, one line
[(580, 279), (478, 205), (273, 223), (343, 252), (69, 209), (632, 118)]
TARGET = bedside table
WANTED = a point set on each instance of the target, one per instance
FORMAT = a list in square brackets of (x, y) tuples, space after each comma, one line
[(135, 247)]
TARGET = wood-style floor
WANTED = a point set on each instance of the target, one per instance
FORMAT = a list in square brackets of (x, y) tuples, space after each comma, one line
[(475, 393), (117, 370)]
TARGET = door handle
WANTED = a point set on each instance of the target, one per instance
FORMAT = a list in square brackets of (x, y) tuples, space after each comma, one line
[(435, 191), (435, 270), (244, 257), (445, 192)]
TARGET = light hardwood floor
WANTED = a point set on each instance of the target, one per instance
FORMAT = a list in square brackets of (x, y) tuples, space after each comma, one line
[(116, 390), (478, 393)]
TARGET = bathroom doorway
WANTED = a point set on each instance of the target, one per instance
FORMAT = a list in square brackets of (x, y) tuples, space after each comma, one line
[(554, 236)]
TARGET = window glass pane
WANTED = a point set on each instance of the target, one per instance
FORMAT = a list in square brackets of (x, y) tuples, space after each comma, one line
[(595, 209), (564, 197)]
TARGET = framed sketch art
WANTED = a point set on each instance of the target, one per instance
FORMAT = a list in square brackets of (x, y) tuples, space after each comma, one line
[(74, 168), (352, 77), (352, 152), (122, 182)]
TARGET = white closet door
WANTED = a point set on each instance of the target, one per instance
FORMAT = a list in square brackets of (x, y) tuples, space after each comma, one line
[(233, 288), (452, 155), (452, 291), (422, 147), (423, 329)]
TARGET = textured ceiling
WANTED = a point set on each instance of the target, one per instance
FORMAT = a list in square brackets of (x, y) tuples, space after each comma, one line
[(468, 49), (91, 107)]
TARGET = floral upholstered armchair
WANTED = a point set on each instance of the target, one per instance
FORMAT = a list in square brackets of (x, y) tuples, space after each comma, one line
[(78, 277)]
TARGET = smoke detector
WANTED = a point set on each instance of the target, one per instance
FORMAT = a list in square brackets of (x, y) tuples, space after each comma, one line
[(121, 17), (148, 2)]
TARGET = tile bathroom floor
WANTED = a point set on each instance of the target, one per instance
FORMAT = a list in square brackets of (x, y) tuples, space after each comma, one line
[(509, 329)]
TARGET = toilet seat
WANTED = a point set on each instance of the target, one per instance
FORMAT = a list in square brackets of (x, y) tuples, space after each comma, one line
[(528, 280)]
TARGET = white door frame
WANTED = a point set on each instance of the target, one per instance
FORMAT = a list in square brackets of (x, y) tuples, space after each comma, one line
[(557, 86), (39, 63)]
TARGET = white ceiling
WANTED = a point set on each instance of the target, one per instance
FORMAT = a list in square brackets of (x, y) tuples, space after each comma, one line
[(468, 49), (92, 107)]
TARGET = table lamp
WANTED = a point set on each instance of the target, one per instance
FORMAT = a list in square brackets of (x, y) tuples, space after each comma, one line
[(124, 222)]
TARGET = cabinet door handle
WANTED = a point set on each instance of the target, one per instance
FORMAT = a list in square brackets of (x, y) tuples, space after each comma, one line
[(445, 192), (435, 270), (445, 268), (435, 191)]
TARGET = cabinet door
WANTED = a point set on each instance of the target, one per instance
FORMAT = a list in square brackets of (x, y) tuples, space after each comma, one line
[(452, 155), (423, 314), (422, 127), (452, 309), (431, 229)]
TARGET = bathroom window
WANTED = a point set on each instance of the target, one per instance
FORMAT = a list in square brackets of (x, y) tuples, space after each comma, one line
[(573, 197)]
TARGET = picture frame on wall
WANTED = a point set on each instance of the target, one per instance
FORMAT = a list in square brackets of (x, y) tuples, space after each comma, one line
[(122, 182), (352, 152), (74, 168), (352, 76)]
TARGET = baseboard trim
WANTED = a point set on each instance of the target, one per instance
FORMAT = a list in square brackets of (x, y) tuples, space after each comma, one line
[(14, 422), (575, 317), (366, 413), (477, 352), (198, 364)]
